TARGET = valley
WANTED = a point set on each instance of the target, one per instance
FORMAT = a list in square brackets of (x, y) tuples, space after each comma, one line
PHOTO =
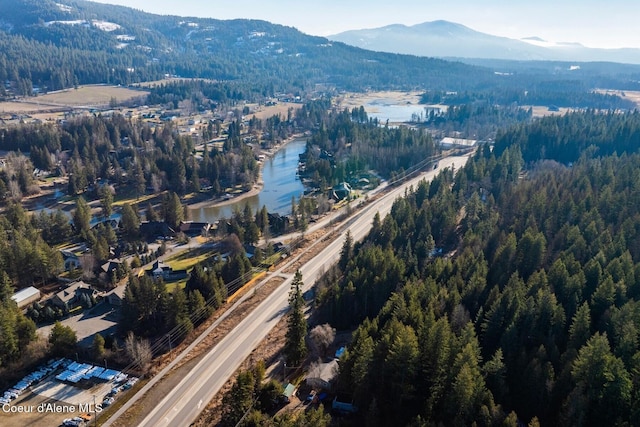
[(234, 222)]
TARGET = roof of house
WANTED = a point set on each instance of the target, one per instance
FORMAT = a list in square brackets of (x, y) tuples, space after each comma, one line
[(110, 265), (343, 186), (69, 292), (194, 226), (288, 390), (68, 254), (324, 371), (117, 292)]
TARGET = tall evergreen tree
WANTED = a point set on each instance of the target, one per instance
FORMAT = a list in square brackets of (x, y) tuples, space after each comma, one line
[(347, 251), (295, 347), (174, 211), (82, 217), (129, 222)]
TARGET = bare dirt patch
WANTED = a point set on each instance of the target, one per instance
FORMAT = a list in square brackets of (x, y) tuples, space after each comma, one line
[(306, 254)]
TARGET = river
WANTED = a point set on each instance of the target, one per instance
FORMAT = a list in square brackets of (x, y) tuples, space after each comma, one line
[(280, 183)]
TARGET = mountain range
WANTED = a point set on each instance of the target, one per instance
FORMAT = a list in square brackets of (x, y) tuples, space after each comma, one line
[(49, 45), (62, 43), (446, 39)]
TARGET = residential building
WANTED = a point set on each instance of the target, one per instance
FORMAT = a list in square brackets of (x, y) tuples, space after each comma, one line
[(71, 296)]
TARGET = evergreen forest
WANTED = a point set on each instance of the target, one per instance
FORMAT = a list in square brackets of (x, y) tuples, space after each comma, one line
[(506, 293)]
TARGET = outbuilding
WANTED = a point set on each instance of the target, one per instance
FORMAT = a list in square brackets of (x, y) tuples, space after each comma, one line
[(26, 296)]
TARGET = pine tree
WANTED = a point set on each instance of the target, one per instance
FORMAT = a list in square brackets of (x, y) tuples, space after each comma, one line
[(63, 340), (174, 211), (347, 251), (81, 216), (295, 347), (129, 222)]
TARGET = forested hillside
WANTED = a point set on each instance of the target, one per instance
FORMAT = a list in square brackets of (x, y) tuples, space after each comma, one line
[(508, 293), (56, 45), (47, 46)]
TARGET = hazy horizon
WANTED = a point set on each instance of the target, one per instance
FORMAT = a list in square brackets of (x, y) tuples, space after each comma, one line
[(586, 22)]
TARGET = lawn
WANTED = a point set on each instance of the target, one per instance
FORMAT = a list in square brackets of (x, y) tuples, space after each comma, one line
[(177, 284), (133, 199), (188, 259)]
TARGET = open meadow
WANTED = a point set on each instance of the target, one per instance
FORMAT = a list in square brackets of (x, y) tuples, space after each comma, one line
[(89, 96)]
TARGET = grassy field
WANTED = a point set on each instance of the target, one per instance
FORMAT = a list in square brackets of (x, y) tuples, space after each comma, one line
[(83, 96), (133, 199), (90, 95), (174, 285), (188, 259)]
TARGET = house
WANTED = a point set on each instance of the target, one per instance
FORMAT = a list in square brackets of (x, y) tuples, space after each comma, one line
[(321, 375), (71, 260), (71, 296), (111, 265), (26, 296), (341, 191), (116, 296), (193, 229), (278, 223), (160, 270), (151, 230)]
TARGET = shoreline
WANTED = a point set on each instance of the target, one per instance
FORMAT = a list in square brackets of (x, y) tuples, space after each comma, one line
[(255, 190)]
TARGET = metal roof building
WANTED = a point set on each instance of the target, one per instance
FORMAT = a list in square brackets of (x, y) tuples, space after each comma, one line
[(26, 296)]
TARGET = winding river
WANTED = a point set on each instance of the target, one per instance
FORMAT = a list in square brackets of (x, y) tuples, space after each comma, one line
[(280, 183)]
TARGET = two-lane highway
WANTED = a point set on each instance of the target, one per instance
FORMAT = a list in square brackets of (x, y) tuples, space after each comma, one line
[(186, 401)]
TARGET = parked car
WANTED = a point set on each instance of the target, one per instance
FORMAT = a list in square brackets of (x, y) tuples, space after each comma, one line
[(311, 396)]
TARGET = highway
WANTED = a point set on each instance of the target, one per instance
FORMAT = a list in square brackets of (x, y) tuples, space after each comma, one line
[(187, 400)]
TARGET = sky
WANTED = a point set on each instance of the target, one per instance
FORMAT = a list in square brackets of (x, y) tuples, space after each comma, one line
[(594, 23)]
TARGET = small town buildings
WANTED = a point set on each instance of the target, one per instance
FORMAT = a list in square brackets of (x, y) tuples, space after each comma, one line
[(26, 296)]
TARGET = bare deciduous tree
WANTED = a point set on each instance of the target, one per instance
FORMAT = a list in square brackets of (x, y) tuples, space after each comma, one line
[(139, 351), (322, 337)]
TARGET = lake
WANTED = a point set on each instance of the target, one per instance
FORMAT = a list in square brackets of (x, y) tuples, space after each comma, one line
[(384, 110), (280, 183)]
